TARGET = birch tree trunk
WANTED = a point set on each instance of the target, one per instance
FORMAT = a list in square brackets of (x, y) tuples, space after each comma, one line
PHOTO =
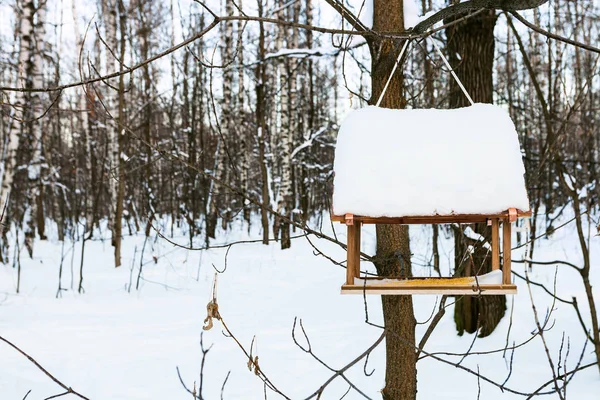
[(21, 113), (120, 144), (308, 92), (35, 213), (109, 9), (219, 194), (245, 147), (281, 228), (85, 132)]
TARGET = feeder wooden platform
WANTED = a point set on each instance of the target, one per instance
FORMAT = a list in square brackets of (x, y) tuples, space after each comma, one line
[(433, 285)]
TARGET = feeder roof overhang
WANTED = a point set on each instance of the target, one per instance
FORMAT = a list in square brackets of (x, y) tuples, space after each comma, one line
[(428, 162)]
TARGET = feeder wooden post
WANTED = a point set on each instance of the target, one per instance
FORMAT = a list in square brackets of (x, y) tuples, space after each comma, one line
[(353, 264), (495, 244), (506, 253)]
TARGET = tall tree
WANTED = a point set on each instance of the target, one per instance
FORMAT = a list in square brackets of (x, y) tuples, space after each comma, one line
[(120, 145), (393, 244), (471, 48), (35, 126), (145, 21), (225, 128), (21, 110), (285, 132), (261, 126), (114, 102)]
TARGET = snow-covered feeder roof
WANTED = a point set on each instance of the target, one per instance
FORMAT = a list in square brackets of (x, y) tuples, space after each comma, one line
[(426, 162)]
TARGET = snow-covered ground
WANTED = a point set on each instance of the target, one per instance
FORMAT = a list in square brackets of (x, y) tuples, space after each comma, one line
[(112, 343)]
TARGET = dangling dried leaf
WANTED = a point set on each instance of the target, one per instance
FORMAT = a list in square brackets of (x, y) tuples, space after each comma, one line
[(212, 311), (256, 367)]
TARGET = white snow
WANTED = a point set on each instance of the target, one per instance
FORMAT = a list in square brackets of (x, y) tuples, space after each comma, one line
[(302, 52), (491, 278), (111, 344), (363, 9), (394, 163), (411, 14), (471, 234)]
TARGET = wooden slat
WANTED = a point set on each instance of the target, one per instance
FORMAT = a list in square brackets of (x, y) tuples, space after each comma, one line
[(430, 219), (506, 252), (353, 253), (495, 244), (465, 290)]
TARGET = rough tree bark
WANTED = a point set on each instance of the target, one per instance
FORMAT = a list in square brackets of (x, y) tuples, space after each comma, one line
[(393, 246), (36, 189), (120, 139), (261, 123), (245, 148), (109, 9), (308, 93), (471, 54), (144, 32), (21, 99), (227, 127), (85, 130)]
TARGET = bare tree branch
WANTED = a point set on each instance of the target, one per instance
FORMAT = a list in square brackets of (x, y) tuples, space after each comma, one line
[(67, 389), (474, 5), (554, 36)]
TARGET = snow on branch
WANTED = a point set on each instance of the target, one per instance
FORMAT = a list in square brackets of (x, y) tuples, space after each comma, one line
[(308, 142), (475, 5)]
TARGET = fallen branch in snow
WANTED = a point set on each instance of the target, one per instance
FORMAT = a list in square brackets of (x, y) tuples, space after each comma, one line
[(68, 390)]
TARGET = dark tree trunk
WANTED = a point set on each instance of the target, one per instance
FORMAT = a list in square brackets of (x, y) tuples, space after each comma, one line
[(393, 259), (261, 78), (471, 54), (121, 123), (393, 246)]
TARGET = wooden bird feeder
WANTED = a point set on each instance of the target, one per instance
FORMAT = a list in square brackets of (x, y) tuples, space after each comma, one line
[(406, 167)]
